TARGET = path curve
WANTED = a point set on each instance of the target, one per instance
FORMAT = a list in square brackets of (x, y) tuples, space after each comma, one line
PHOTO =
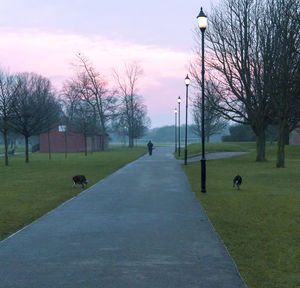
[(215, 155)]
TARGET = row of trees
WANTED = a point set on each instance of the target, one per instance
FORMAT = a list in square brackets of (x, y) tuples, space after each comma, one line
[(166, 134), (244, 133), (253, 66), (91, 106), (30, 106), (27, 106)]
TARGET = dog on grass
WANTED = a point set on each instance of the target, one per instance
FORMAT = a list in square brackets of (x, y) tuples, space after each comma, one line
[(79, 179), (237, 180)]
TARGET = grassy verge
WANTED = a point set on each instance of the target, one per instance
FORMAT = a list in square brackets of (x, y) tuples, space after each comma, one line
[(18, 149), (260, 223), (28, 191), (195, 149)]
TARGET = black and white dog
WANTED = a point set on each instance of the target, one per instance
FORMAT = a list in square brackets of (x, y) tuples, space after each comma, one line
[(79, 179), (237, 180)]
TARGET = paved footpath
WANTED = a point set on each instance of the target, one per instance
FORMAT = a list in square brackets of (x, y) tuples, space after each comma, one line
[(140, 227)]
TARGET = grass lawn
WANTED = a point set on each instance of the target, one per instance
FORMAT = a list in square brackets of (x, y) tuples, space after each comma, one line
[(28, 191), (195, 149), (18, 149), (260, 224)]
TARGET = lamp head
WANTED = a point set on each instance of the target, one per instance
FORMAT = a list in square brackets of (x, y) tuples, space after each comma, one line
[(179, 100), (202, 20), (187, 80), (175, 111)]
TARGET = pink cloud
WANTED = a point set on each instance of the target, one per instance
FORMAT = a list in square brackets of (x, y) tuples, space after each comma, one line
[(51, 54)]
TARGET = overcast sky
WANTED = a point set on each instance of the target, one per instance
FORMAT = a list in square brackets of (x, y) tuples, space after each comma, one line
[(44, 36)]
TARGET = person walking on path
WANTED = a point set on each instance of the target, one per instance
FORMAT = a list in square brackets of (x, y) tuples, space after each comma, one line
[(150, 147)]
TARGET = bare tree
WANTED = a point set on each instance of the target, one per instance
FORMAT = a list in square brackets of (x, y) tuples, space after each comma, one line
[(69, 100), (281, 31), (141, 122), (7, 90), (82, 119), (131, 107), (235, 61), (89, 84), (52, 118), (79, 114), (214, 122), (31, 106)]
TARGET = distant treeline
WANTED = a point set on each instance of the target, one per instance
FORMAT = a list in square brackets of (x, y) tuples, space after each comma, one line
[(167, 134), (235, 133), (244, 133)]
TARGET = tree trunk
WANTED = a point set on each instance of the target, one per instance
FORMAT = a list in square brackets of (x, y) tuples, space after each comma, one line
[(286, 136), (281, 143), (6, 148), (260, 145), (85, 145), (130, 138), (66, 145), (102, 142), (26, 149), (49, 145), (207, 138), (93, 143), (130, 141)]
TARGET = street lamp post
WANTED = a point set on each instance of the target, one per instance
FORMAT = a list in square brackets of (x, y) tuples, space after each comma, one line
[(179, 101), (187, 83), (202, 22), (175, 112)]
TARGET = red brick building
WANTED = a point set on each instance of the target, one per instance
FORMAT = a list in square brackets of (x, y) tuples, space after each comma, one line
[(62, 137)]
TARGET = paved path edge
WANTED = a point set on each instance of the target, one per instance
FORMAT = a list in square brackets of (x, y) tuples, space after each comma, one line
[(67, 201)]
